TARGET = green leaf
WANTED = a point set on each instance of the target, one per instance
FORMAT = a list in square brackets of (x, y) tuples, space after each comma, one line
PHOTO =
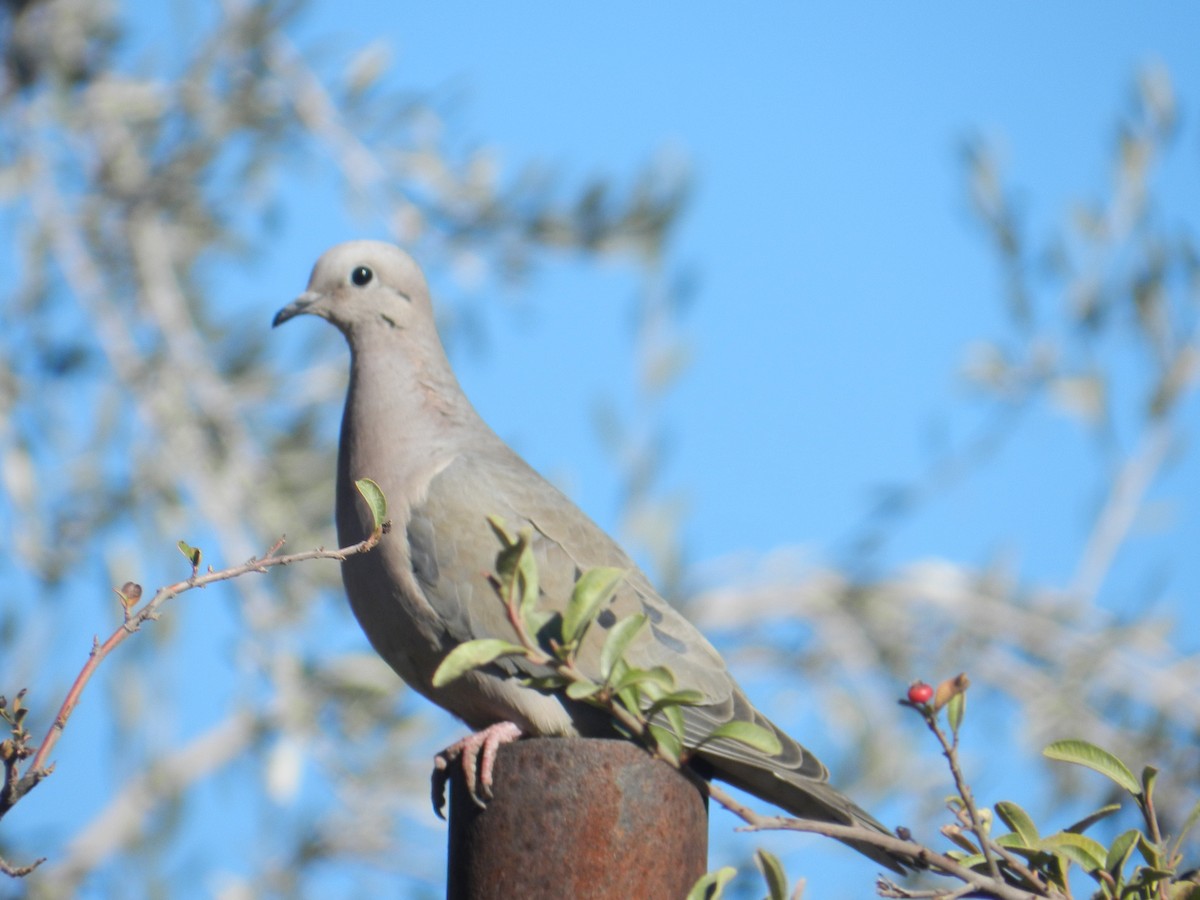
[(1088, 821), (1146, 800), (631, 699), (517, 573), (1011, 841), (674, 717), (618, 641), (594, 588), (508, 567), (667, 742), (619, 668), (1037, 858), (472, 655), (685, 697), (1019, 821), (1147, 875), (1079, 848), (376, 502), (1151, 852), (527, 572), (1120, 850), (192, 553), (772, 873), (1149, 776), (1081, 753), (754, 736), (955, 709), (500, 529), (962, 839), (581, 690), (710, 886), (659, 676)]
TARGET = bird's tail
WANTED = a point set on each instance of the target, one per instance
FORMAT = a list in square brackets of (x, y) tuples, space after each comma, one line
[(795, 781)]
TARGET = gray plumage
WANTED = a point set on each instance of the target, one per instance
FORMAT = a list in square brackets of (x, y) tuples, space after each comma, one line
[(425, 589)]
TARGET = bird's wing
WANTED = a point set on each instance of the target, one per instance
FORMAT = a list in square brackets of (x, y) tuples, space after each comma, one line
[(453, 552)]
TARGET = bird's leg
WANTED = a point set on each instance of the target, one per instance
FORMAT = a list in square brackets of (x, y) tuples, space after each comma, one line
[(477, 753)]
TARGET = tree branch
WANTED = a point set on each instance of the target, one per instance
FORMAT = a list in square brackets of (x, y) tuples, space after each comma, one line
[(919, 852), (19, 871), (37, 769)]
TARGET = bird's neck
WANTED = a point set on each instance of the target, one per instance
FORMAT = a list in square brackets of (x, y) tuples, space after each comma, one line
[(405, 419)]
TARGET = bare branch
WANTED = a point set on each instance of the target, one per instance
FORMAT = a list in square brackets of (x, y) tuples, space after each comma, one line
[(992, 887), (6, 868), (974, 822), (37, 770)]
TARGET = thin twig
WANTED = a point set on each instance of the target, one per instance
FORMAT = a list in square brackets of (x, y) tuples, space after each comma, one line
[(1017, 865), (7, 868), (37, 769), (980, 881), (950, 751)]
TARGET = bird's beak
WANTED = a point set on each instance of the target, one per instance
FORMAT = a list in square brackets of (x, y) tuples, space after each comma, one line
[(301, 305)]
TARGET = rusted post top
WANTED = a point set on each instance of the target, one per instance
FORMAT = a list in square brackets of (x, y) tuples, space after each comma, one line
[(579, 818)]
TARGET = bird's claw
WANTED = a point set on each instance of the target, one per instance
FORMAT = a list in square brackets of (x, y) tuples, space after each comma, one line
[(477, 753), (441, 773)]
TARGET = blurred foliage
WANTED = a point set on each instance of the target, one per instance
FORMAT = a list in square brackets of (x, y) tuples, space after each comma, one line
[(135, 403), (136, 407), (1100, 324), (1144, 862)]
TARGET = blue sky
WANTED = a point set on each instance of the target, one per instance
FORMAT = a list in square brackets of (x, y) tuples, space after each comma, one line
[(840, 276)]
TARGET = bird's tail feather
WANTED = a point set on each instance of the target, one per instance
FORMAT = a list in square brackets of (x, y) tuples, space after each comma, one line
[(805, 798)]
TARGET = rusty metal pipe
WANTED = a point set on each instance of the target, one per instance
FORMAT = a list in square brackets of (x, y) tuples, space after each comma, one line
[(578, 818)]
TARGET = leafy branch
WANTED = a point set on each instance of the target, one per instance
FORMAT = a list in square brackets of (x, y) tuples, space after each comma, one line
[(17, 747), (1043, 864), (646, 704), (1017, 865)]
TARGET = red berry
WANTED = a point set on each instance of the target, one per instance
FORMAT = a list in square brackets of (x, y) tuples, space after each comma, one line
[(920, 692)]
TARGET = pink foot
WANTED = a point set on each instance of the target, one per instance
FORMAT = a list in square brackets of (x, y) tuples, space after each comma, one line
[(478, 754)]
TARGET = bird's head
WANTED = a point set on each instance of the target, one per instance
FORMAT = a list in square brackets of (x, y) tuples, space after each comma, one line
[(364, 286)]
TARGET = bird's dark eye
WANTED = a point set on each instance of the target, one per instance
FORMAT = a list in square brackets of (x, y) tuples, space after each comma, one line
[(362, 276)]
